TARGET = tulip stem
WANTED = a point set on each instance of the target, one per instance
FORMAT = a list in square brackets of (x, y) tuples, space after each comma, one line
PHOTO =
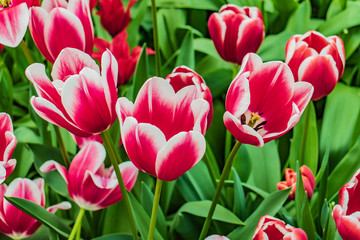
[(305, 130), (77, 225), (114, 158), (156, 38), (223, 176), (26, 52), (155, 209), (62, 147)]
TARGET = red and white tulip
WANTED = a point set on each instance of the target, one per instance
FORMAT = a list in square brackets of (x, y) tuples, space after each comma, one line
[(162, 132), (347, 213), (270, 228), (90, 184), (59, 24), (263, 101), (236, 31), (7, 146), (81, 99), (14, 222), (308, 179), (316, 59)]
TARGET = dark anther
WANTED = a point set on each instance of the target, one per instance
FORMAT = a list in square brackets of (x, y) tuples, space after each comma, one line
[(243, 119), (260, 126), (261, 114)]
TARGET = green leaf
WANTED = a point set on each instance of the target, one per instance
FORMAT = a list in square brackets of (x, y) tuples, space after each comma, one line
[(40, 214), (300, 194), (206, 45), (141, 72), (269, 206), (304, 144), (239, 196), (187, 55), (24, 158), (114, 237), (299, 21), (273, 47), (201, 209), (199, 4), (351, 41), (307, 221), (335, 7)]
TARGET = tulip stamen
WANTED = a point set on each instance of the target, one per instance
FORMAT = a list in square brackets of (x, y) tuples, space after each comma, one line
[(260, 126), (5, 3), (253, 119)]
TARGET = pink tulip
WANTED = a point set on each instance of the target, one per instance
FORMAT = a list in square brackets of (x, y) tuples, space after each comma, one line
[(163, 131), (183, 76), (236, 31), (79, 99), (316, 59), (82, 141), (58, 24), (347, 213), (121, 50), (14, 222), (263, 102), (113, 16), (7, 146), (90, 184), (216, 237), (270, 228), (290, 177)]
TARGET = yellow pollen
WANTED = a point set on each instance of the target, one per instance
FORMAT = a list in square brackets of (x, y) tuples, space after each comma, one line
[(4, 3), (253, 119)]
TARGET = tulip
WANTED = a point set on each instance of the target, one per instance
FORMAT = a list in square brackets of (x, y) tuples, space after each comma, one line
[(236, 31), (183, 76), (316, 59), (121, 51), (14, 222), (216, 237), (58, 24), (347, 213), (162, 132), (7, 146), (79, 99), (82, 141), (271, 228), (290, 177), (263, 102), (90, 184), (113, 17)]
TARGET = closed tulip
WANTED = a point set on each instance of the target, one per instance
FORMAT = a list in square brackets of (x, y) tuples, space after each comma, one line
[(263, 101), (270, 228), (7, 146), (162, 132), (236, 31), (80, 99), (59, 24), (216, 237), (183, 76), (347, 213), (290, 181), (316, 59), (90, 184), (14, 222)]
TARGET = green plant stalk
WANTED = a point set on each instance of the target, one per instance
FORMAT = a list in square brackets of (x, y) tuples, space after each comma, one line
[(155, 209), (114, 158), (62, 147), (223, 176), (26, 52), (156, 38), (77, 225), (306, 126)]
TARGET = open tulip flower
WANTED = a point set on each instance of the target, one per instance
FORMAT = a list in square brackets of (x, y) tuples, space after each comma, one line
[(90, 184), (263, 102), (14, 222), (236, 31), (58, 24), (316, 59), (7, 146), (80, 99), (347, 213), (270, 228), (183, 76), (290, 177), (119, 47), (163, 131), (113, 16)]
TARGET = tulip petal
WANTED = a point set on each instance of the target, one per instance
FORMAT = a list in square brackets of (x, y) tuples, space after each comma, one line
[(180, 154), (200, 109), (70, 62), (51, 165), (243, 133), (302, 94), (109, 73), (238, 96), (349, 228), (61, 206), (124, 108), (129, 173), (48, 5), (13, 24), (63, 29), (2, 173)]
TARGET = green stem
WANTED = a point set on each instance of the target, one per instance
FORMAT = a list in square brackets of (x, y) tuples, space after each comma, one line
[(305, 130), (155, 209), (26, 51), (115, 159), (223, 176), (156, 38), (62, 147), (77, 224)]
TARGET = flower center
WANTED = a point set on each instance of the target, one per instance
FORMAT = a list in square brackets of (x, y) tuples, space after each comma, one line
[(5, 3), (252, 121)]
